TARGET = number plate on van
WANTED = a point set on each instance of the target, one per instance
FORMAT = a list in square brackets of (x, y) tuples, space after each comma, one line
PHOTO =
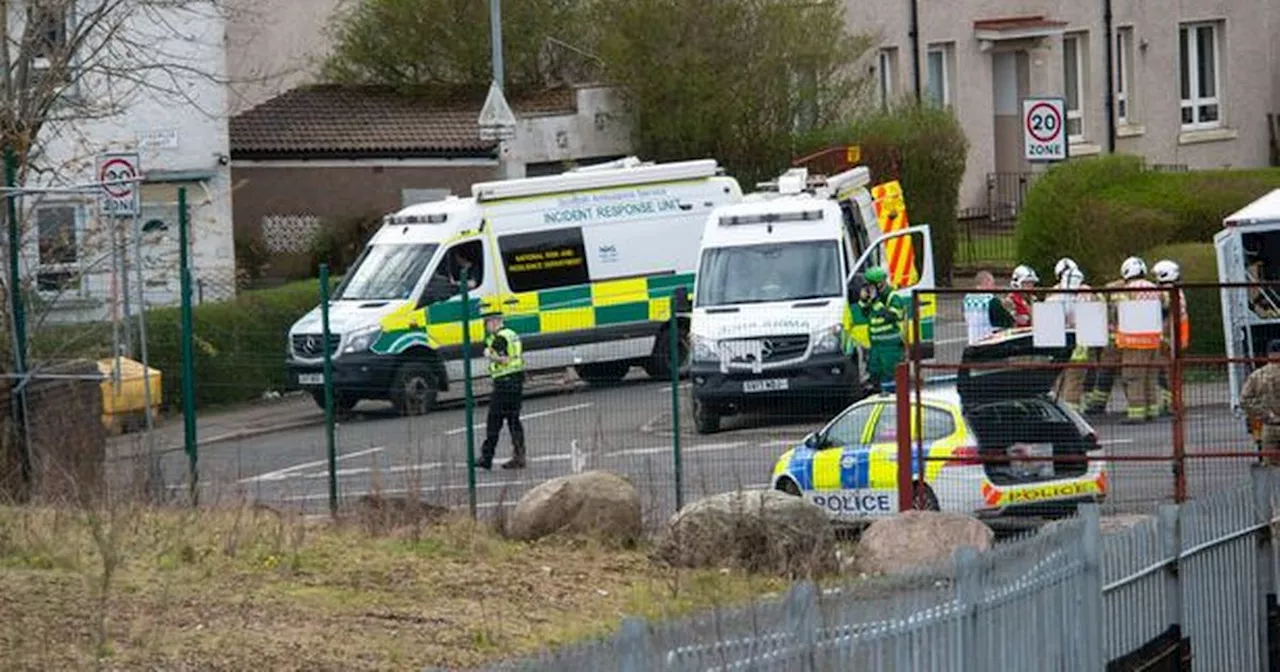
[(311, 379), (768, 385)]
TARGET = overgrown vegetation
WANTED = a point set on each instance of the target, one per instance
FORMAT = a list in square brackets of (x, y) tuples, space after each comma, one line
[(1199, 264), (252, 588), (925, 148), (239, 344), (1101, 210)]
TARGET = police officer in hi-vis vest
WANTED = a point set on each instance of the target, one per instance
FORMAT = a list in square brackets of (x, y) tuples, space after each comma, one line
[(506, 370)]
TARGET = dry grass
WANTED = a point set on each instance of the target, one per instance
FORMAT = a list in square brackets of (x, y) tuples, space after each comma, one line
[(250, 588)]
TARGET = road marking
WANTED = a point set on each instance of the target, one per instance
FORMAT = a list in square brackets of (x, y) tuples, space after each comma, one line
[(424, 466), (666, 389), (1112, 442), (287, 472), (425, 490), (531, 416), (658, 450), (950, 341)]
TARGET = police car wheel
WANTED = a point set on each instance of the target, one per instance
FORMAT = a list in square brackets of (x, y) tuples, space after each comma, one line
[(923, 498), (414, 390), (789, 486)]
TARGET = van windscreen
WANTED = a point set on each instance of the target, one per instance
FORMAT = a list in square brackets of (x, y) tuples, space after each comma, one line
[(386, 272), (769, 272)]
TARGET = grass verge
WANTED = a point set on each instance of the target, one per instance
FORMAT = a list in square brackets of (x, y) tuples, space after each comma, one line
[(252, 588)]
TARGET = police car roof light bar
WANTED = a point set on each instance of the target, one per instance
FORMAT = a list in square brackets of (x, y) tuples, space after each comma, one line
[(602, 179), (772, 217)]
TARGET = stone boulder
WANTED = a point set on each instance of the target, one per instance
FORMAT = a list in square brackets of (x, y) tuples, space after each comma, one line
[(594, 503), (765, 531), (915, 538)]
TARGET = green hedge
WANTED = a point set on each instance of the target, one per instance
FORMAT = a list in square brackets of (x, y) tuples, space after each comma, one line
[(239, 344), (1101, 210), (1204, 306), (925, 148)]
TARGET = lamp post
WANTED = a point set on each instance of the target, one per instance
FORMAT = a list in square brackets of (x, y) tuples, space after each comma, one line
[(497, 122)]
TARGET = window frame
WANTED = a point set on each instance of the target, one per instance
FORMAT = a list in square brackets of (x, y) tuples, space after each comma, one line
[(869, 408), (76, 267), (942, 50), (1190, 68), (1079, 45), (886, 65), (1124, 76), (935, 410)]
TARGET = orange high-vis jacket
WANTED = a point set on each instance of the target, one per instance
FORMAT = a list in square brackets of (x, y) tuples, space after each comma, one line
[(1184, 324), (1139, 340)]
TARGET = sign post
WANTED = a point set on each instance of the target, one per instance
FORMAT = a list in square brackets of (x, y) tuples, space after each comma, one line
[(1044, 129), (118, 174)]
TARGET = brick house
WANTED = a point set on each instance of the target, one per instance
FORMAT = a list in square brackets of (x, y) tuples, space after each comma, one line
[(329, 153)]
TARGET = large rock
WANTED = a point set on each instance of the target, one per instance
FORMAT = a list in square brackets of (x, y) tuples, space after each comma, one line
[(595, 503), (915, 538), (764, 531)]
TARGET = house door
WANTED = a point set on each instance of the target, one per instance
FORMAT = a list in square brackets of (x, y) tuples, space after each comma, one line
[(1009, 84)]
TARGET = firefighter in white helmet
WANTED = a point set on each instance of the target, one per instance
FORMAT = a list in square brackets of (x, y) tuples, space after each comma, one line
[(1168, 273), (1019, 302), (1072, 381), (1138, 344)]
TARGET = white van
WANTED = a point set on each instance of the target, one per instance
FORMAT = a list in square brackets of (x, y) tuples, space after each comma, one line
[(776, 285), (1248, 251), (583, 265)]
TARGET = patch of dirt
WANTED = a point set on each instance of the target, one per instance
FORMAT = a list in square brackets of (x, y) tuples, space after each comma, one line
[(254, 589)]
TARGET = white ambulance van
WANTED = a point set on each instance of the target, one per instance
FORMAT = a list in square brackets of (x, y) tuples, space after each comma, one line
[(777, 280), (583, 265), (1248, 251)]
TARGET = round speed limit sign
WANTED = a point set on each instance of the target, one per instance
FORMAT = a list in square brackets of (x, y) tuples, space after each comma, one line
[(1044, 125)]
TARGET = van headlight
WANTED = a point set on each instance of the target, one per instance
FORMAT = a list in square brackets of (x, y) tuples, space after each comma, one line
[(704, 349), (362, 340), (829, 341)]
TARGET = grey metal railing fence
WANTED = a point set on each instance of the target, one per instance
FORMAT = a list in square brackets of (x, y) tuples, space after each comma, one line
[(1196, 580)]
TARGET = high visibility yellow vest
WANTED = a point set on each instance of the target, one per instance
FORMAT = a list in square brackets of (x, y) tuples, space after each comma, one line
[(515, 351)]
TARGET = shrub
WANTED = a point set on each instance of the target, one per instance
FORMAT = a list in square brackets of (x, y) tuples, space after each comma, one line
[(1100, 210), (925, 148), (1199, 263), (239, 344)]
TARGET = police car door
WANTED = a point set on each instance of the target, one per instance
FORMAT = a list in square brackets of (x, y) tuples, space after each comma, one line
[(939, 424), (841, 469)]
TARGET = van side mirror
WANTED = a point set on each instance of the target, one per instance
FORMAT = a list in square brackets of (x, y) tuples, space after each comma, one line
[(680, 297)]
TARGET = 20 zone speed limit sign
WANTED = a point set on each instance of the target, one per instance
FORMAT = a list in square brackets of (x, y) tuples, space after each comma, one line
[(117, 173), (1044, 127)]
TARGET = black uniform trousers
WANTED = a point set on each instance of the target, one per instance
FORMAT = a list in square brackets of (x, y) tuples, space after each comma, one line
[(504, 405)]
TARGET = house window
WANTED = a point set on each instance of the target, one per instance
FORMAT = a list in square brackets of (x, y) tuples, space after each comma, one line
[(1198, 46), (1124, 75), (938, 74), (58, 233), (1073, 80), (887, 69)]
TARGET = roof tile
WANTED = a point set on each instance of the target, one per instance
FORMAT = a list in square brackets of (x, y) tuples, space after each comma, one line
[(352, 121)]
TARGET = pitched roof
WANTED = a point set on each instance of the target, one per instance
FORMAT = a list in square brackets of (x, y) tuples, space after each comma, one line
[(334, 121)]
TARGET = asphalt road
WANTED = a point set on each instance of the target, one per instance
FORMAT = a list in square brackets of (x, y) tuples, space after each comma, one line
[(627, 429)]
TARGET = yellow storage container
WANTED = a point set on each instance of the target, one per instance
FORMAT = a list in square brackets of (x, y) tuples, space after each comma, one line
[(126, 406)]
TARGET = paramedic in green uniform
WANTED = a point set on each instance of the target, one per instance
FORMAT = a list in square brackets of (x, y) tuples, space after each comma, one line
[(506, 370), (885, 313)]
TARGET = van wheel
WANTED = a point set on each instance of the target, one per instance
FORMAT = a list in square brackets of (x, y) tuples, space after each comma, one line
[(414, 389), (342, 401), (705, 418), (603, 373), (658, 365)]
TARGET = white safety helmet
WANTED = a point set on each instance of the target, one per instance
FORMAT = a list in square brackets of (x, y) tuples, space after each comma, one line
[(1064, 265), (1133, 267), (1166, 270), (1022, 274), (1074, 278)]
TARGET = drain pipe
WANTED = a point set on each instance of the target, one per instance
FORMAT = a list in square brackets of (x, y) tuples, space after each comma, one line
[(1110, 97), (914, 34)]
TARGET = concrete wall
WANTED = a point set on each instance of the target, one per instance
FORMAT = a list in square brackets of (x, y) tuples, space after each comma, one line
[(595, 130), (274, 46), (180, 130), (1248, 63)]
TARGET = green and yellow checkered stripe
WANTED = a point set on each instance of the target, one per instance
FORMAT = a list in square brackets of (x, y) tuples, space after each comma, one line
[(551, 311)]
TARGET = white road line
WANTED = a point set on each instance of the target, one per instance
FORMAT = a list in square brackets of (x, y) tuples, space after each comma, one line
[(666, 389), (425, 490), (287, 472), (658, 450), (531, 416), (424, 466), (949, 341), (1112, 442)]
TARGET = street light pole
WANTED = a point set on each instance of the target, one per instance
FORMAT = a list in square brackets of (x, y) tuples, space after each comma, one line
[(495, 40)]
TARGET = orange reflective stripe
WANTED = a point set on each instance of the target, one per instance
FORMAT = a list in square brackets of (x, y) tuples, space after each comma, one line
[(891, 214)]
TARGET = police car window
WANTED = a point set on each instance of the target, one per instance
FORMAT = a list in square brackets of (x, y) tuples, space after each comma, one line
[(847, 429), (938, 424)]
